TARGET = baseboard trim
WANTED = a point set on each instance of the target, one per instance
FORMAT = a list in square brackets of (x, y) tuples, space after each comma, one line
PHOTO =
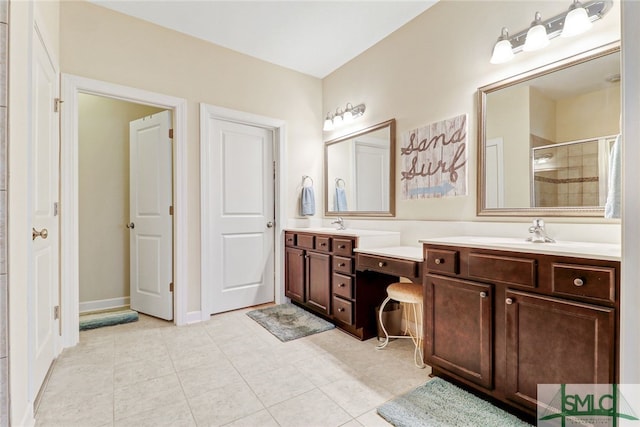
[(194, 317), (104, 304)]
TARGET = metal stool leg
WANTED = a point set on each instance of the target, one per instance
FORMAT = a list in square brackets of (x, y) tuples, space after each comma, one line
[(386, 334), (417, 355)]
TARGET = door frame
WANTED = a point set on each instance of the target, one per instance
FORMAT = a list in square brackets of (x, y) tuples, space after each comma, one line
[(72, 85), (279, 129)]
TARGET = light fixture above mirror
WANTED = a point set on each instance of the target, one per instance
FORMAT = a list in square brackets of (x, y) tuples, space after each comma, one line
[(576, 20), (343, 116)]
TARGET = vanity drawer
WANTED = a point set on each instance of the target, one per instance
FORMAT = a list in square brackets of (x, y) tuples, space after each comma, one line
[(586, 281), (343, 285), (442, 261), (392, 266), (342, 265), (343, 310), (290, 239), (323, 243), (343, 247), (505, 269), (305, 241)]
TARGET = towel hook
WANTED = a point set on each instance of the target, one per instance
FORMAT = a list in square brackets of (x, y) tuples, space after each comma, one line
[(340, 180), (304, 178)]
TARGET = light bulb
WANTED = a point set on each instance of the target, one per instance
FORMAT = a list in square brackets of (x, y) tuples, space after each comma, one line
[(536, 36), (502, 50), (577, 21), (328, 123)]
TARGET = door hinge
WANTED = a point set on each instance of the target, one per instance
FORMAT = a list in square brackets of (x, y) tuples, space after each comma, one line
[(55, 208), (171, 133), (171, 210), (56, 105), (56, 312), (171, 287)]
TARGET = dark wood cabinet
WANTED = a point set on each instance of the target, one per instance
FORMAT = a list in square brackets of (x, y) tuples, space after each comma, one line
[(295, 274), (459, 327), (319, 281), (554, 341), (501, 322)]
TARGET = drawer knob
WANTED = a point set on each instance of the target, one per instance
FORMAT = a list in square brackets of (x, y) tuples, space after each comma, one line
[(509, 301), (341, 246), (439, 261), (341, 309), (341, 285), (381, 264), (323, 244), (483, 294), (578, 281)]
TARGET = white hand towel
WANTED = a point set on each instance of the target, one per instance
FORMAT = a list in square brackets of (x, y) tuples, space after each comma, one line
[(307, 202), (341, 200), (614, 194)]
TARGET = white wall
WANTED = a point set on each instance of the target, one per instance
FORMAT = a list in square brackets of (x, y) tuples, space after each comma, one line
[(103, 188)]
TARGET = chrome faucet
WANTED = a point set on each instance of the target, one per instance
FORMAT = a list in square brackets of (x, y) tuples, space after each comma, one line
[(539, 233), (340, 223)]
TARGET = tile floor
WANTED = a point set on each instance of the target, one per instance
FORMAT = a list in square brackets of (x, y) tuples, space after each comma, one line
[(228, 371)]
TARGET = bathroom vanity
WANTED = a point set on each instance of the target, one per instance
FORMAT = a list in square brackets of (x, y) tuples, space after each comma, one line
[(324, 274), (502, 315)]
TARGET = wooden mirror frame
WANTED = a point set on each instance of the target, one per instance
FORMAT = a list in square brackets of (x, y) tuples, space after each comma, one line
[(528, 75), (391, 124)]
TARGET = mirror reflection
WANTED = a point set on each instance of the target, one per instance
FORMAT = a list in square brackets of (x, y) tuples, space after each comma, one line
[(547, 137), (359, 172)]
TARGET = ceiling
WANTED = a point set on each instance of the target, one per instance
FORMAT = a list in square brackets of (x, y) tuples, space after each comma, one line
[(313, 37)]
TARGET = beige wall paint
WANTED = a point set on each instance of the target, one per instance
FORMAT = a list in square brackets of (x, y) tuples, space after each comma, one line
[(430, 69), (105, 45), (592, 114), (103, 186), (510, 120), (542, 113), (22, 15)]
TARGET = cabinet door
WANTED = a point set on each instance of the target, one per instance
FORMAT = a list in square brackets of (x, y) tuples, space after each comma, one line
[(319, 281), (554, 341), (294, 274), (458, 328)]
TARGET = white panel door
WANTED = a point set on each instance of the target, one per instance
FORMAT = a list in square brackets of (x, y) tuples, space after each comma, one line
[(242, 236), (372, 177), (494, 174), (150, 198), (43, 191)]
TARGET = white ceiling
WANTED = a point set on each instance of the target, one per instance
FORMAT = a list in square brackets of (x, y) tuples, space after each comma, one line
[(314, 37)]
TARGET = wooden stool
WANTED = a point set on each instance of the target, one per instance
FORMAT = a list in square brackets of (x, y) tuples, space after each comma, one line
[(408, 293)]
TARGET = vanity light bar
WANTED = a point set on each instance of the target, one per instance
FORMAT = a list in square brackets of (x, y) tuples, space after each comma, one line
[(596, 9)]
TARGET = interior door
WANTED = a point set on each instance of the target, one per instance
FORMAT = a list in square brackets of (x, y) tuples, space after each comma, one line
[(43, 191), (242, 237), (494, 174), (150, 199), (372, 177)]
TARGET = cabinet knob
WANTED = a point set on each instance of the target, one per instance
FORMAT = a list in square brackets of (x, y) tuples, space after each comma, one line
[(342, 264), (578, 281), (509, 301), (341, 246), (483, 294), (341, 309), (323, 244), (381, 264), (439, 261), (341, 285)]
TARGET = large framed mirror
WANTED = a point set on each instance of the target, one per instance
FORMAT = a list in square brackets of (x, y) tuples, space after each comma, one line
[(359, 170), (545, 137)]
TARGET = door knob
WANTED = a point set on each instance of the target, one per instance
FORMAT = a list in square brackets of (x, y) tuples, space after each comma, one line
[(270, 224), (131, 225), (44, 233)]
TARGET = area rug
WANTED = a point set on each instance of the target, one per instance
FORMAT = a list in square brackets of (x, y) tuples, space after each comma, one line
[(288, 322), (439, 403), (107, 318)]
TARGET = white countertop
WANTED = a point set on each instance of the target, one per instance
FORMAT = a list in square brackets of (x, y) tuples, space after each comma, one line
[(351, 232), (603, 251), (411, 253)]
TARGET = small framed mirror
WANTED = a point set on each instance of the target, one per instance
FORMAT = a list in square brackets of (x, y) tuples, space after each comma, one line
[(545, 137), (359, 170)]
